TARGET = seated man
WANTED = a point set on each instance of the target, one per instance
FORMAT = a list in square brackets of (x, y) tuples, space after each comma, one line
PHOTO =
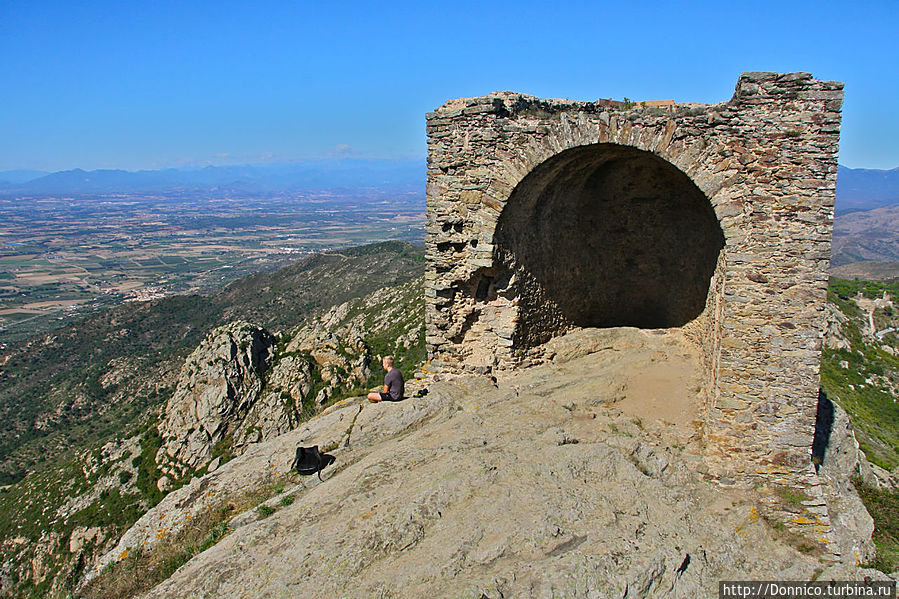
[(394, 385)]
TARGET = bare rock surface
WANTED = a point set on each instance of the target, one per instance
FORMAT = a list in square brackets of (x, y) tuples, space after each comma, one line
[(834, 338), (851, 524), (524, 488), (238, 389), (218, 384)]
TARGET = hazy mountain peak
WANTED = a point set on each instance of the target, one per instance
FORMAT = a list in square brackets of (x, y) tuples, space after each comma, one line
[(312, 174)]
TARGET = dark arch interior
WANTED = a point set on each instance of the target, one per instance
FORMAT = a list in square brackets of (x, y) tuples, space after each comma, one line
[(607, 235)]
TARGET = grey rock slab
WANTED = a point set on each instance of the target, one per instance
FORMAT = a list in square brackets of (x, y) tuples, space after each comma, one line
[(442, 496)]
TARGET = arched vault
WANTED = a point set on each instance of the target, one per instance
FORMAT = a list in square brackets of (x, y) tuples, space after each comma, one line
[(546, 215)]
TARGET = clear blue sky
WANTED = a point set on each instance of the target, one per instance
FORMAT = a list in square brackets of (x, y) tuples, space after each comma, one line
[(150, 84)]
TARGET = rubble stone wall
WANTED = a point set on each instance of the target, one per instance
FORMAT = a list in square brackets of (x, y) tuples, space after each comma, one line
[(714, 217)]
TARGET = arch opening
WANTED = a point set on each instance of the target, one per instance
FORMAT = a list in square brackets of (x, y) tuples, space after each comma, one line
[(603, 236)]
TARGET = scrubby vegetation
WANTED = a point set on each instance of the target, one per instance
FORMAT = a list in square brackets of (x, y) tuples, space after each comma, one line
[(142, 570), (44, 508), (884, 508), (65, 394), (83, 407), (147, 471), (863, 377)]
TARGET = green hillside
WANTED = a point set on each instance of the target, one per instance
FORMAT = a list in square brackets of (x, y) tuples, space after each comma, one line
[(71, 400), (74, 387), (863, 377), (85, 390)]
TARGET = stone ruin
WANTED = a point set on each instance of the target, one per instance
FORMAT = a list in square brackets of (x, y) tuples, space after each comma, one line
[(545, 215)]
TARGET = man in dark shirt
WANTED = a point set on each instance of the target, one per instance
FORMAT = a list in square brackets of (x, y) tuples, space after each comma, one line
[(394, 385)]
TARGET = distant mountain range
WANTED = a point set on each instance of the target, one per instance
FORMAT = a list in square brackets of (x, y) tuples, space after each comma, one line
[(865, 189), (857, 188), (866, 236), (247, 179), (9, 178)]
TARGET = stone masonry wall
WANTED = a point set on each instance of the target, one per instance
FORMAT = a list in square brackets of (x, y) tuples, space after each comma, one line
[(767, 163)]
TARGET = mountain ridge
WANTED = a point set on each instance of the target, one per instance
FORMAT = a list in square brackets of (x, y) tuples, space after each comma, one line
[(61, 375), (255, 179), (66, 510), (857, 189), (865, 189)]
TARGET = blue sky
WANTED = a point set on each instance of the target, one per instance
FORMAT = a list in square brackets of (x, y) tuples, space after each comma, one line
[(156, 84)]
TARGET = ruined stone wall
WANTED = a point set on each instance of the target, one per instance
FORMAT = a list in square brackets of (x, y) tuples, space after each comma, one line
[(766, 163), (705, 332)]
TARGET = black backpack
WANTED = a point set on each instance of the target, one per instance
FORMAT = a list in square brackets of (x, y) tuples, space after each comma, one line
[(310, 460)]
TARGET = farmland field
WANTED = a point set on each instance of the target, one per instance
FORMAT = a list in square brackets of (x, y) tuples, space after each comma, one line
[(64, 258)]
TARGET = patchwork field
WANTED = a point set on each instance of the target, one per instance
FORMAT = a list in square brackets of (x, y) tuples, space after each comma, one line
[(64, 258)]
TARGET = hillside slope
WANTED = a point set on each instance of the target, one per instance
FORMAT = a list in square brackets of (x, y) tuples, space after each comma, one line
[(635, 403), (81, 386), (579, 478), (864, 189), (872, 235), (82, 407), (860, 363)]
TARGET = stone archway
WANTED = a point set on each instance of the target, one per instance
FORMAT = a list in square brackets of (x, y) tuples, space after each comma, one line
[(607, 235), (507, 172)]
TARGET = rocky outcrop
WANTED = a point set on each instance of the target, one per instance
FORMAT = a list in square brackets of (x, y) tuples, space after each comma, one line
[(834, 338), (288, 384), (522, 487), (219, 383), (395, 315), (241, 387), (843, 457), (839, 460)]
